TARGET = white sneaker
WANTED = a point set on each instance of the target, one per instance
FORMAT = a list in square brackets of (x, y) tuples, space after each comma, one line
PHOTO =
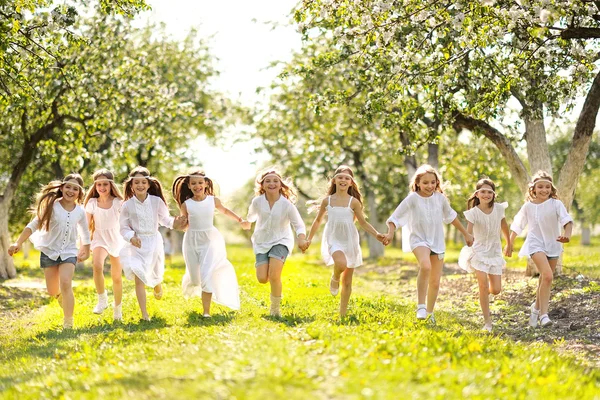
[(421, 311), (102, 303), (533, 317), (545, 320), (68, 323), (487, 327), (118, 313), (275, 310), (431, 318)]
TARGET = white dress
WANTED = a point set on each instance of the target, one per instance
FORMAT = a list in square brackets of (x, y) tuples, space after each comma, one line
[(142, 219), (206, 266), (545, 221), (340, 234), (422, 219), (273, 224), (106, 226), (60, 240), (486, 253)]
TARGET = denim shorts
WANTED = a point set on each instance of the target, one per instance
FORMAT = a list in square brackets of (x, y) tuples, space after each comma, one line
[(550, 258), (46, 261), (278, 251), (440, 255)]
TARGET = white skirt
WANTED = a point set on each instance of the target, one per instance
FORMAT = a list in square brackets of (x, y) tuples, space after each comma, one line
[(147, 262), (207, 268), (341, 237), (109, 239), (471, 261)]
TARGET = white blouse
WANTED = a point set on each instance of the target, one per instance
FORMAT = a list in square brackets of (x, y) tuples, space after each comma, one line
[(60, 240), (143, 218), (422, 219), (545, 221), (273, 224)]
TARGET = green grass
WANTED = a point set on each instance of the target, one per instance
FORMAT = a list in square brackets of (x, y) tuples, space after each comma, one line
[(379, 351)]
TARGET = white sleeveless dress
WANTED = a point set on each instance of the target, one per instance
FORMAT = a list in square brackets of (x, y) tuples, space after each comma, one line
[(106, 226), (206, 266), (341, 235)]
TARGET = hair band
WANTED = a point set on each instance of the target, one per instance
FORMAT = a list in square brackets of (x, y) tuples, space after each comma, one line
[(480, 190), (74, 184), (272, 175), (542, 180), (103, 180), (198, 176), (343, 174)]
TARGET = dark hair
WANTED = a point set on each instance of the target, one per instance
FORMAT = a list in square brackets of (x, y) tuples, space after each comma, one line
[(46, 198), (474, 200), (155, 185), (181, 189)]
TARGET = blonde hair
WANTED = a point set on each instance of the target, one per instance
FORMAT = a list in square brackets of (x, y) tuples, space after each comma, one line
[(181, 190), (541, 176), (423, 170), (287, 189), (353, 190), (51, 192), (155, 188), (474, 200)]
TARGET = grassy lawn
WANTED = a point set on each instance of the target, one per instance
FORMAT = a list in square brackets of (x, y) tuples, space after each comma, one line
[(379, 351)]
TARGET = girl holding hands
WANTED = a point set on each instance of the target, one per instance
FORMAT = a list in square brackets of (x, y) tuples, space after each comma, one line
[(422, 215), (53, 231), (273, 210), (545, 215), (340, 245), (143, 257)]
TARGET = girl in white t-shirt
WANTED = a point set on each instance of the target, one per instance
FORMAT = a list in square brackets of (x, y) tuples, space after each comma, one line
[(340, 245), (485, 221), (544, 215), (103, 206), (273, 210), (59, 219), (422, 215)]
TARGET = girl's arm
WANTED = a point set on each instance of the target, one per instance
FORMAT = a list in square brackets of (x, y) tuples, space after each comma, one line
[(566, 221), (397, 219), (298, 225), (470, 227), (219, 206), (252, 215), (316, 223), (84, 235), (568, 231), (125, 227), (506, 234), (468, 237), (16, 246), (360, 216)]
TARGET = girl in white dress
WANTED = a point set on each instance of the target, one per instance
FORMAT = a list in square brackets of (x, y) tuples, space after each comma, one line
[(143, 256), (53, 231), (340, 244), (273, 210), (103, 206), (208, 272), (485, 221), (544, 214), (422, 215)]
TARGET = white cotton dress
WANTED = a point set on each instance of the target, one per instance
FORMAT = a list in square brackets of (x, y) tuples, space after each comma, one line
[(207, 268), (544, 222), (340, 234), (486, 253), (142, 219), (106, 226)]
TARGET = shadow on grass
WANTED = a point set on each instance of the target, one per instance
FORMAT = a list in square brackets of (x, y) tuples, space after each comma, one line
[(290, 320), (194, 318)]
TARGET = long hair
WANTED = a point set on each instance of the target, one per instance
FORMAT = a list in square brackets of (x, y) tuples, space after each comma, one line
[(102, 173), (155, 188), (422, 170), (287, 189), (353, 190), (474, 200), (541, 176), (181, 189), (48, 195)]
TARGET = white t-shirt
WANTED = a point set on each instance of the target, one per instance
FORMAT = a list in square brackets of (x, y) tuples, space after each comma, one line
[(273, 224), (422, 219), (545, 221)]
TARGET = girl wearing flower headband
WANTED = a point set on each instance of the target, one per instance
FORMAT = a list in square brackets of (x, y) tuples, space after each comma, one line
[(143, 256), (545, 215), (273, 210), (103, 206), (208, 272), (486, 220), (340, 244), (58, 220), (422, 215)]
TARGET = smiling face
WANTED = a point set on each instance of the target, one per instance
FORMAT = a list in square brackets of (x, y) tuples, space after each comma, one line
[(140, 185), (542, 190), (485, 194), (197, 186), (427, 184), (271, 184), (71, 190), (103, 186), (342, 182)]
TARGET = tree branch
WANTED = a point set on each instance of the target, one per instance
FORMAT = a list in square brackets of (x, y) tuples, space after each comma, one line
[(580, 33)]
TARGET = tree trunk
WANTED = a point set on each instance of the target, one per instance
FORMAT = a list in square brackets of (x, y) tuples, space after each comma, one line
[(376, 249), (586, 235), (537, 146), (410, 161), (433, 155), (7, 266)]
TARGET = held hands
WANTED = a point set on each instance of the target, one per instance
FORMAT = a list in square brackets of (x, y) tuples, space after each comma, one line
[(180, 222), (137, 242), (563, 239), (469, 239), (382, 238), (13, 249), (246, 225), (303, 244), (508, 250), (84, 254)]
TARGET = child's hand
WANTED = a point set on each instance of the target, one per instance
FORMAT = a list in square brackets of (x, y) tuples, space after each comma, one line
[(563, 239), (246, 225), (13, 249), (508, 250), (136, 242), (180, 222), (303, 244), (83, 255), (469, 239), (382, 238), (389, 237)]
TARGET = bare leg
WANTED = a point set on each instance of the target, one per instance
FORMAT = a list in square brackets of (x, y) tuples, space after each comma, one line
[(495, 284), (140, 292), (424, 260), (98, 257), (52, 281), (546, 270), (206, 299), (434, 281), (484, 295), (346, 290), (65, 272), (117, 279), (262, 273), (275, 268)]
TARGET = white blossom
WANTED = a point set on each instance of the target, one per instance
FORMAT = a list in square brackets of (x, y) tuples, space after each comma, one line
[(544, 15)]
